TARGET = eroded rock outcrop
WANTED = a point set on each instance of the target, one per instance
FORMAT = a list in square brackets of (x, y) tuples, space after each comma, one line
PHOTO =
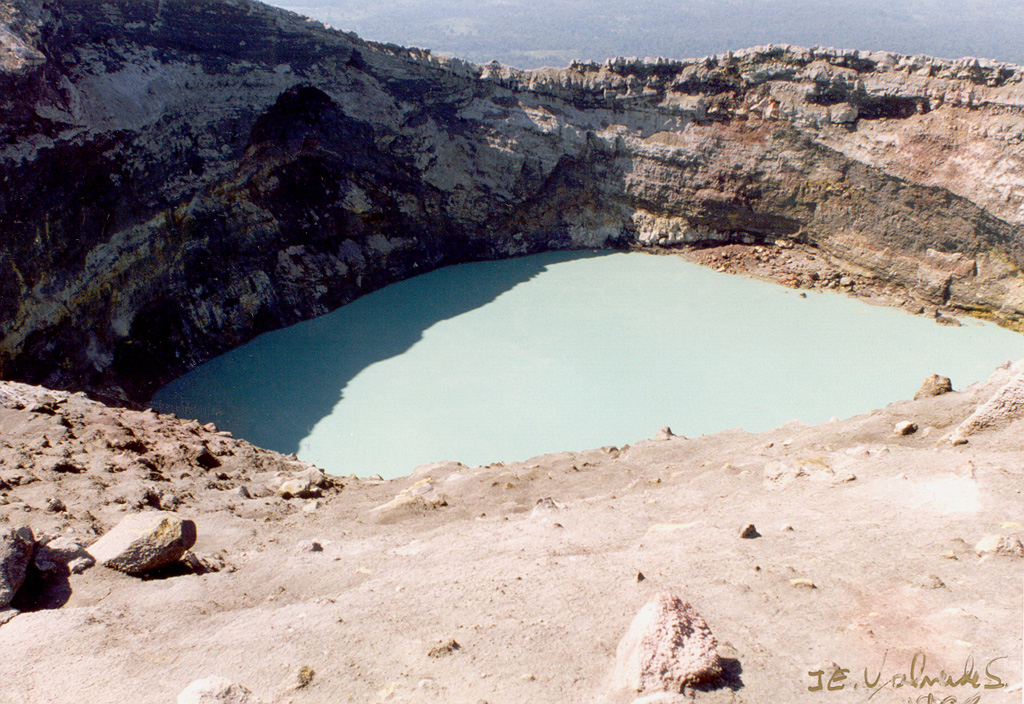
[(1002, 409), (180, 176), (934, 385)]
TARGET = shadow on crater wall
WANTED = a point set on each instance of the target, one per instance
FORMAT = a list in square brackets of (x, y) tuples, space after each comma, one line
[(275, 389)]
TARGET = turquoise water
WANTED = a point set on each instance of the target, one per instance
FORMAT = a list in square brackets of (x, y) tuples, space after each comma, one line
[(500, 361)]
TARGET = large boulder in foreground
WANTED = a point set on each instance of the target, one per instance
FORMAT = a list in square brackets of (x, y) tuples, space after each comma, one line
[(16, 546), (668, 646), (145, 541)]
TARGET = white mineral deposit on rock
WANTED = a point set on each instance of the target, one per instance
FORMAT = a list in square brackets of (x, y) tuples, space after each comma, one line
[(216, 690), (905, 427)]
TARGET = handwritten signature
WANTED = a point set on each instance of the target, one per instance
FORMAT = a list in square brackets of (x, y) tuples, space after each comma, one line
[(915, 678)]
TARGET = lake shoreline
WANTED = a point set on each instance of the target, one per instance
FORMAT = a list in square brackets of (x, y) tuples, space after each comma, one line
[(871, 539), (502, 360), (807, 268)]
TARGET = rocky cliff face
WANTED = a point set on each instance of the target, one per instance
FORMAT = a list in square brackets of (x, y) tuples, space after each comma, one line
[(179, 176)]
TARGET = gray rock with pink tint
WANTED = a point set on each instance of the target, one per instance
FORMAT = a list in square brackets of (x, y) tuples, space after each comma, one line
[(668, 646)]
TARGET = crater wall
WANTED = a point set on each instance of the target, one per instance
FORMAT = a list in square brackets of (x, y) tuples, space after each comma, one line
[(179, 176)]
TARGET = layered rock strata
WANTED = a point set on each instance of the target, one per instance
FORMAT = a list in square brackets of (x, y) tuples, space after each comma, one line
[(181, 176)]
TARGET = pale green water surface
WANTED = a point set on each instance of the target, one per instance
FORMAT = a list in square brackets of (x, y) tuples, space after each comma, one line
[(506, 360)]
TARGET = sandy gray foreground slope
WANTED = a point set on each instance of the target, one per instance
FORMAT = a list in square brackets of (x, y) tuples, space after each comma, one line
[(533, 569)]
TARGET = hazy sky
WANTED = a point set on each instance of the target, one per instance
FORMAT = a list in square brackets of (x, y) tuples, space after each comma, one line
[(529, 33)]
